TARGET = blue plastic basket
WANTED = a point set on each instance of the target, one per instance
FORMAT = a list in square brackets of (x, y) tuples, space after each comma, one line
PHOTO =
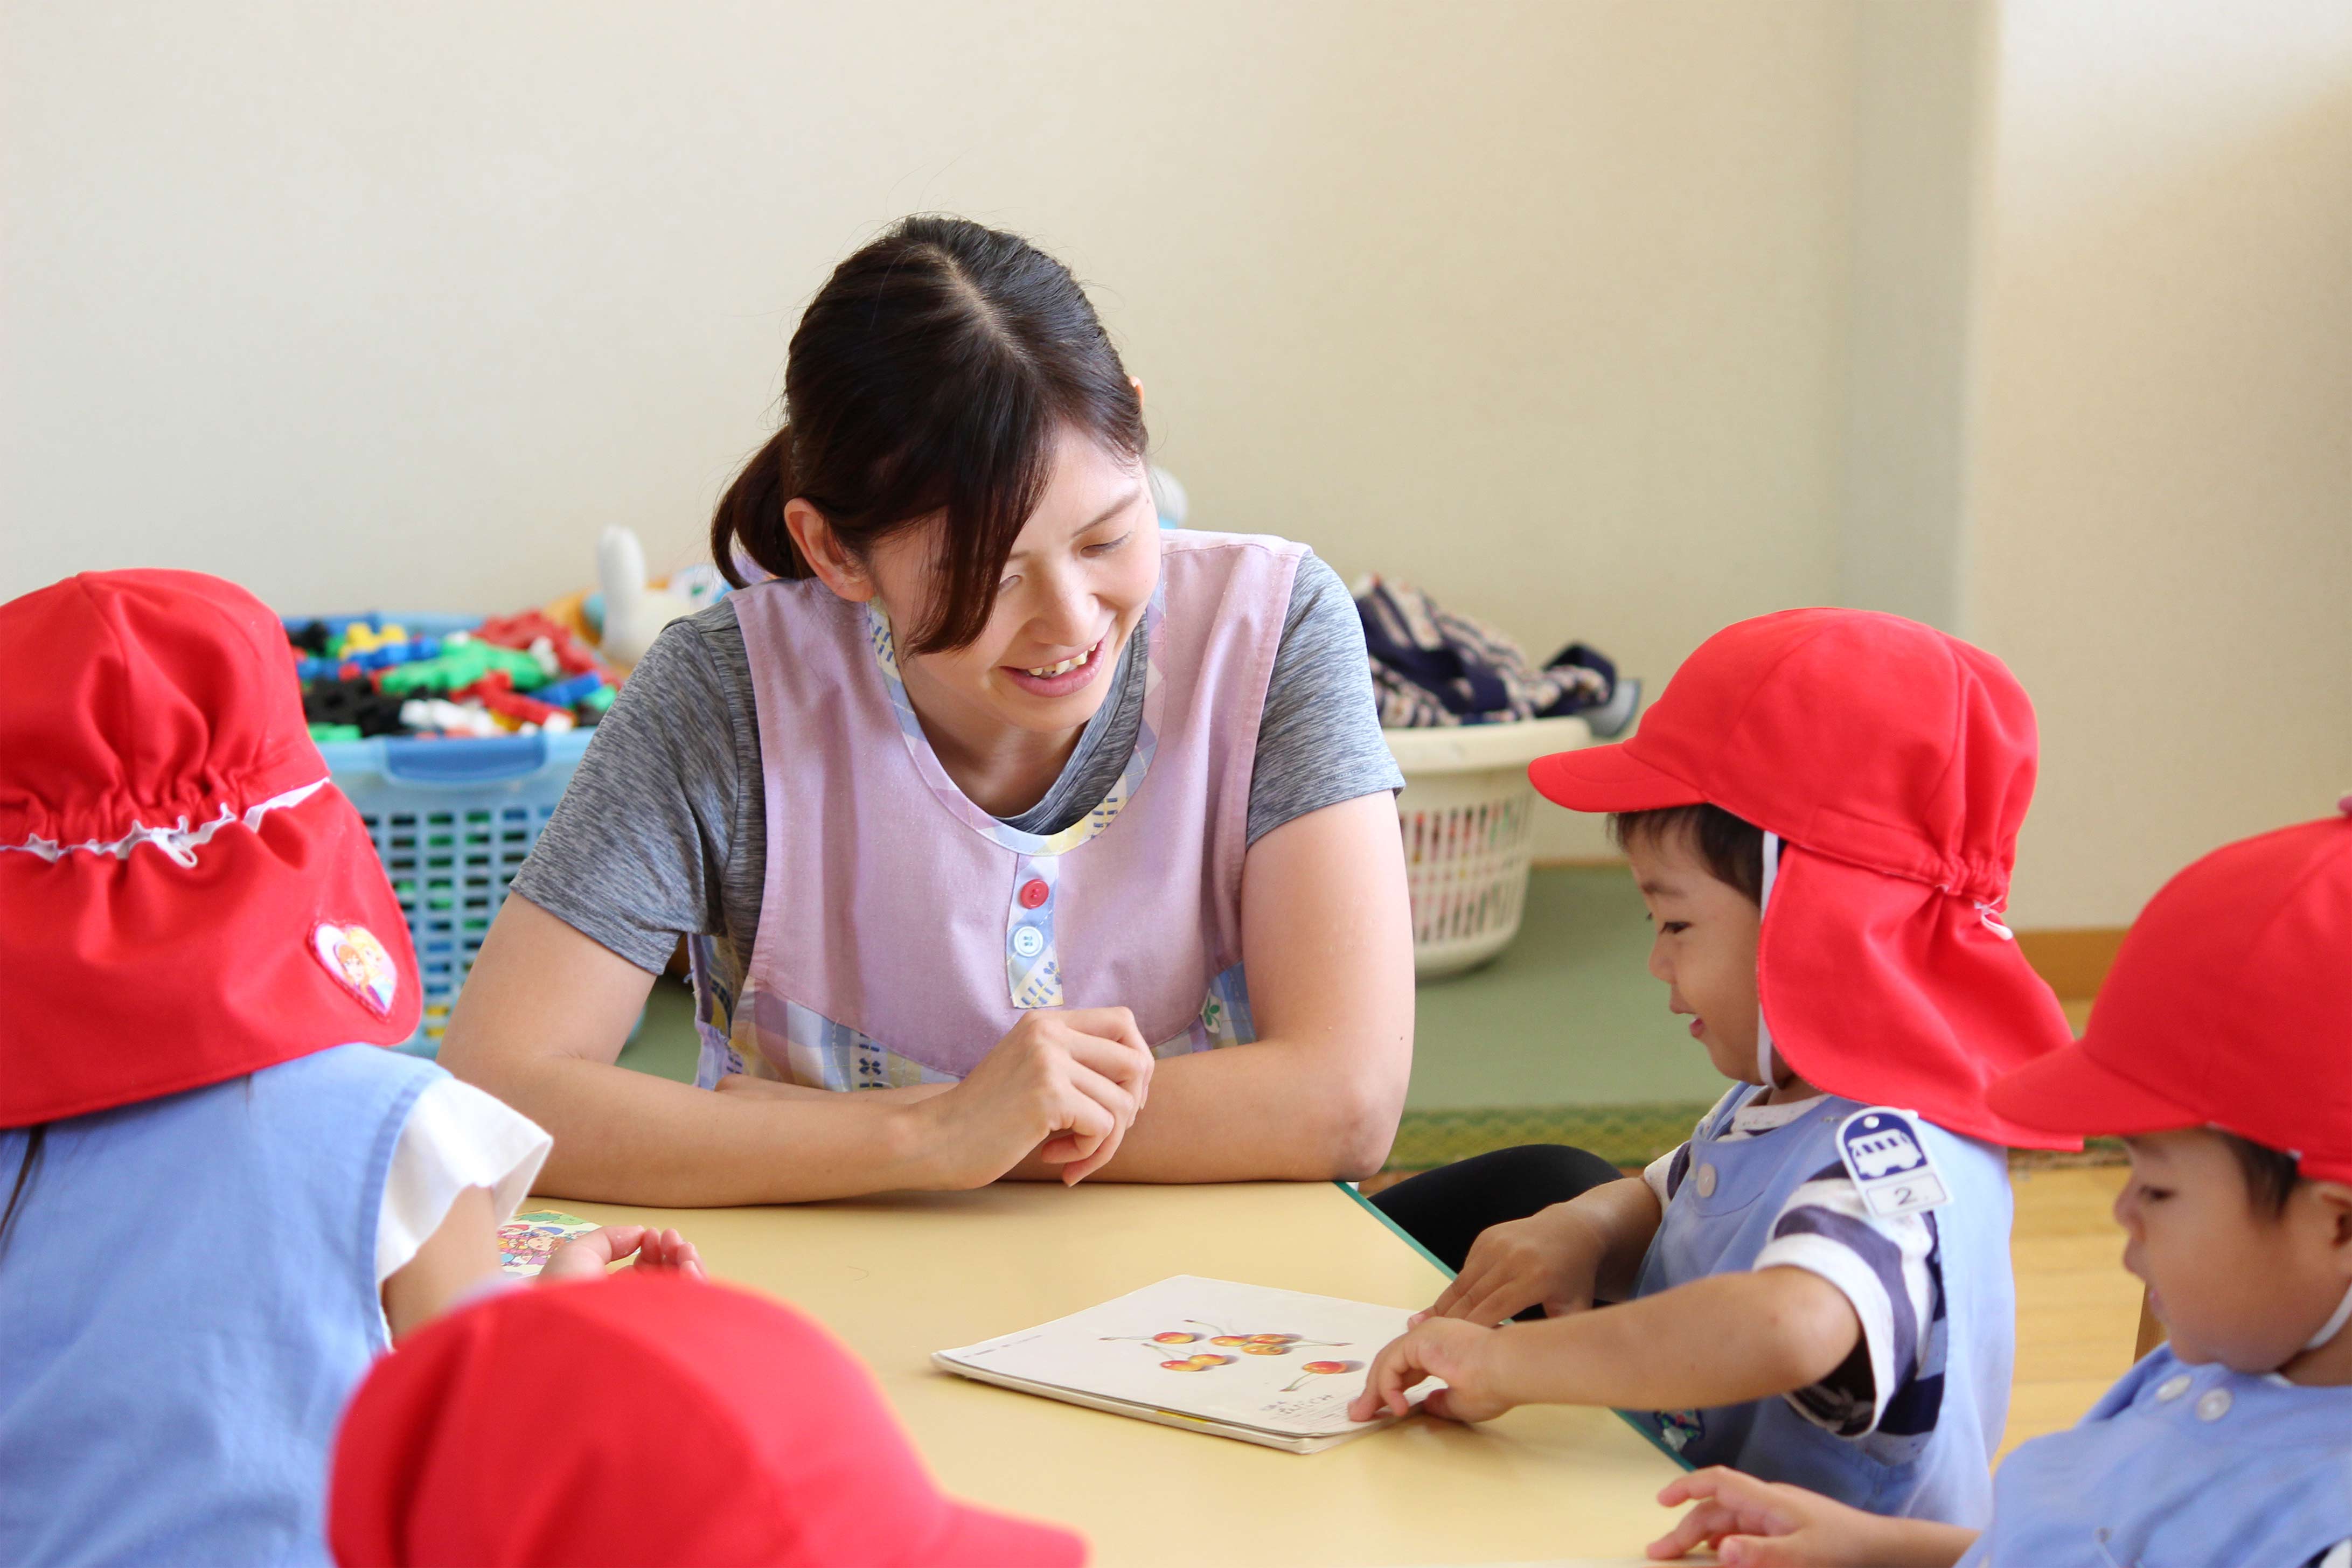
[(452, 820)]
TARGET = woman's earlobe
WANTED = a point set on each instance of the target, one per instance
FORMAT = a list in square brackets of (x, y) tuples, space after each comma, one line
[(820, 547)]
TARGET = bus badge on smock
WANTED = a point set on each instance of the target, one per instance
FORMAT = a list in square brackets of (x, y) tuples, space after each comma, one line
[(1884, 1154)]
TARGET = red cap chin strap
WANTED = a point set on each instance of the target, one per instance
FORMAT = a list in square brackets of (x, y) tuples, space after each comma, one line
[(2334, 1325)]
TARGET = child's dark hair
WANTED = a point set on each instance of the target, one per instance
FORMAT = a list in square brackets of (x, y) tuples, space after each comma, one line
[(2271, 1175), (1731, 848), (929, 377)]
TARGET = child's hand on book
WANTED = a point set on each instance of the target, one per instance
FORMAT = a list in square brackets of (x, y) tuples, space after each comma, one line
[(1552, 1258), (1462, 1354), (586, 1257)]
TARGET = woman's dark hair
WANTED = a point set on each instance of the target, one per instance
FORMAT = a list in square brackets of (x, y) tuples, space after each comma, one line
[(929, 378), (2270, 1177), (1731, 848)]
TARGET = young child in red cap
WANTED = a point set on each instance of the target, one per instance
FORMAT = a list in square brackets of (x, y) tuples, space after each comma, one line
[(221, 1193), (2221, 1047), (649, 1421), (1822, 812)]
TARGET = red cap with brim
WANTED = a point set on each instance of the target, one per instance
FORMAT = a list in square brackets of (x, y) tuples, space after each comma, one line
[(1895, 763), (2067, 1089), (1609, 779), (2229, 1006), (641, 1419)]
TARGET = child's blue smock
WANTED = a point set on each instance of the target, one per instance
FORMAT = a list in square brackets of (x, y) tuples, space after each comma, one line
[(1930, 1455), (2181, 1467), (187, 1297)]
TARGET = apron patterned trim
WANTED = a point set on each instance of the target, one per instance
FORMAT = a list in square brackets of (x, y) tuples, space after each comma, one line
[(1033, 965), (819, 1053), (884, 643)]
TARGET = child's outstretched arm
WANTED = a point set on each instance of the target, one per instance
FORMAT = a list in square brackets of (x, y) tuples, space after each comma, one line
[(1751, 1524), (1723, 1339), (1565, 1257), (462, 1256), (462, 1251), (589, 1254)]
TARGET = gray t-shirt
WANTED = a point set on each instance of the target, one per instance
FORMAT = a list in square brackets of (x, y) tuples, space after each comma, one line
[(663, 832)]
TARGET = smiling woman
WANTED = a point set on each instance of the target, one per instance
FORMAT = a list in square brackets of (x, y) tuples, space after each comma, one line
[(995, 802)]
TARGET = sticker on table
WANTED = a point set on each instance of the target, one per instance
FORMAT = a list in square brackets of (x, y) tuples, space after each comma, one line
[(526, 1241)]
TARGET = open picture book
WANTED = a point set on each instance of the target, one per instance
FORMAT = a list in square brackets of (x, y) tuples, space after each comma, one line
[(1274, 1367)]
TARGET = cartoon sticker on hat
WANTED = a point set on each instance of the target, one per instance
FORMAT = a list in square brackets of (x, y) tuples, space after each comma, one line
[(355, 959)]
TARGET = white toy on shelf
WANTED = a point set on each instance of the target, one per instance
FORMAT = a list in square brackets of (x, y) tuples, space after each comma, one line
[(634, 613)]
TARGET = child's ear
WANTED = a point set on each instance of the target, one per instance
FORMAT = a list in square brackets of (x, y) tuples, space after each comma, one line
[(2332, 1203)]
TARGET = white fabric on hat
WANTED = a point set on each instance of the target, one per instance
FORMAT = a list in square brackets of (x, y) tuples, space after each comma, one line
[(180, 842)]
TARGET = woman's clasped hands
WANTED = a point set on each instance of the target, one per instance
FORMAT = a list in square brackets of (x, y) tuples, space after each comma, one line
[(1066, 1083), (1063, 1086)]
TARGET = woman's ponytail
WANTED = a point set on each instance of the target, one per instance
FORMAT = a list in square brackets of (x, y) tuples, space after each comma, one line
[(750, 521)]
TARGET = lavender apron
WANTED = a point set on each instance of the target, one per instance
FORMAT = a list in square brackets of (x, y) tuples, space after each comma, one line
[(904, 931)]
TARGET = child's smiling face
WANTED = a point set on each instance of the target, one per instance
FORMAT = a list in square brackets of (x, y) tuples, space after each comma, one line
[(2232, 1281), (1703, 949)]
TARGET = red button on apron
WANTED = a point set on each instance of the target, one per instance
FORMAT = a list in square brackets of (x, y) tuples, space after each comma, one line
[(1034, 892)]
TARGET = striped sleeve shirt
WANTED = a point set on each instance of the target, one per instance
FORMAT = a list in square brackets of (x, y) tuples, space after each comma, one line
[(1889, 1268)]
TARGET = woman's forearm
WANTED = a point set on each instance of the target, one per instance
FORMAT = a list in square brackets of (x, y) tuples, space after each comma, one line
[(1188, 1134), (538, 1024), (1196, 1128), (1327, 933), (1723, 1339), (628, 1137), (1271, 1111)]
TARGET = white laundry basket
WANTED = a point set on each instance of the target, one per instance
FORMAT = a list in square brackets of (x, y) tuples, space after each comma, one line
[(1468, 816)]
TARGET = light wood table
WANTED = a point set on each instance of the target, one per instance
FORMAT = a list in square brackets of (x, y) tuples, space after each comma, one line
[(900, 1277)]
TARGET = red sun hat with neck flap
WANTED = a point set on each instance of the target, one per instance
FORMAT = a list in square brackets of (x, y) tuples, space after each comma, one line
[(2229, 1006), (184, 898), (646, 1418), (1896, 764)]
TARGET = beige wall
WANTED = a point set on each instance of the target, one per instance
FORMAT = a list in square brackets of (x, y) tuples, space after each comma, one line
[(1610, 320), (2161, 471), (1920, 91), (1538, 305)]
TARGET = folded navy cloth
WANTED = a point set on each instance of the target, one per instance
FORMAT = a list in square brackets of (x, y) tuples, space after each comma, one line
[(1434, 667)]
